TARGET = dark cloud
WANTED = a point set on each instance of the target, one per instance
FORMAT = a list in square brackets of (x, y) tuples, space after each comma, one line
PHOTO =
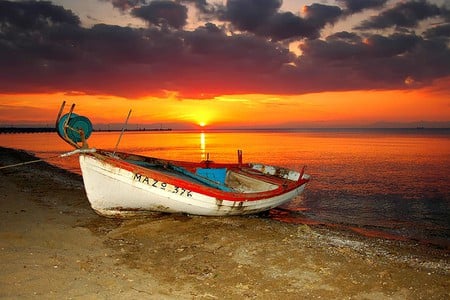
[(162, 12), (344, 36), (33, 32), (355, 6), (34, 15), (377, 61), (391, 46), (124, 5), (249, 15), (319, 15), (440, 31), (263, 18), (404, 14), (286, 25), (44, 48), (202, 5)]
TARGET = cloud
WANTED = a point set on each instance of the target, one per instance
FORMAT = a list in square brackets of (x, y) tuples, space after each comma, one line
[(263, 18), (377, 61), (162, 12), (405, 14), (355, 6), (44, 48), (32, 33), (440, 31), (34, 15), (202, 5), (319, 15), (125, 5), (249, 15), (283, 26)]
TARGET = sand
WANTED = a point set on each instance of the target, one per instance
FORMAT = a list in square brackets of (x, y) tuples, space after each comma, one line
[(53, 246)]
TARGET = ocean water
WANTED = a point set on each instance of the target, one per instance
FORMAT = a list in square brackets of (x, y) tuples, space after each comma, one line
[(391, 184)]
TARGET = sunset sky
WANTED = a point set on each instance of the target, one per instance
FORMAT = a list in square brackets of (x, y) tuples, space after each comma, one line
[(227, 64)]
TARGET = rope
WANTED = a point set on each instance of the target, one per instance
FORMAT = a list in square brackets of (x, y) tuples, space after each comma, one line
[(51, 157)]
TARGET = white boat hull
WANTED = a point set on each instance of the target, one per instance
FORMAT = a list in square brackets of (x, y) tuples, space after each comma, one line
[(116, 192)]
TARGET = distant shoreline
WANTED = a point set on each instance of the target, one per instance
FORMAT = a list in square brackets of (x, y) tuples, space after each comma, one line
[(6, 130), (14, 130)]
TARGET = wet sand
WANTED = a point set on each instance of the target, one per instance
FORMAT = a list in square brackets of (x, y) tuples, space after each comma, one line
[(53, 246)]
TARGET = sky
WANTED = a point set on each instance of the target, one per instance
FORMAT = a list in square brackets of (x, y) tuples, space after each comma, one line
[(227, 64)]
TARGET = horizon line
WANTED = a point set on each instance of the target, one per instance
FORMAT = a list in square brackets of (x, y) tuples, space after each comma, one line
[(41, 129)]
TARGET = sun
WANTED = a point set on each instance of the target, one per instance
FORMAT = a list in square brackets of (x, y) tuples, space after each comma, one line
[(201, 114)]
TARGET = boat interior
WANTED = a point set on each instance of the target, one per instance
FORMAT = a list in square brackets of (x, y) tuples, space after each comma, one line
[(246, 184), (225, 179)]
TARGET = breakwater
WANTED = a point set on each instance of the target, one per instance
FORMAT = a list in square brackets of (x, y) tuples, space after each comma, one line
[(10, 130)]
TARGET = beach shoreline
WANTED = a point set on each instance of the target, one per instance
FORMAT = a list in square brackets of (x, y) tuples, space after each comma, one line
[(53, 245)]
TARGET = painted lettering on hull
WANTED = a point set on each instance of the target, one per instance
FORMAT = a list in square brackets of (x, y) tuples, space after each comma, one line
[(162, 185)]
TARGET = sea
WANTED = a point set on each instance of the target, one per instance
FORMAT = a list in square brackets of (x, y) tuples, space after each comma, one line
[(383, 183)]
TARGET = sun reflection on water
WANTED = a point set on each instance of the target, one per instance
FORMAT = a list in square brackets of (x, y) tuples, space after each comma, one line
[(202, 146)]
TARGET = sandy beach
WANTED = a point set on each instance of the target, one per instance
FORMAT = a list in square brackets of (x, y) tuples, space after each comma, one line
[(54, 246)]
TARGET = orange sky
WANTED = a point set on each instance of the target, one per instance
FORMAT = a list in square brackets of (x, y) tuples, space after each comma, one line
[(326, 109)]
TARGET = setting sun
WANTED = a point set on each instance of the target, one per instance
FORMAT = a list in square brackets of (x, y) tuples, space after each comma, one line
[(203, 113)]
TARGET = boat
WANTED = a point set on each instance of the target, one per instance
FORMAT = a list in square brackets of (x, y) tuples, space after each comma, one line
[(120, 184)]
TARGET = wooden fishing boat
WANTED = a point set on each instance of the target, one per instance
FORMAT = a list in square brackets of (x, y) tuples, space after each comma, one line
[(122, 184)]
